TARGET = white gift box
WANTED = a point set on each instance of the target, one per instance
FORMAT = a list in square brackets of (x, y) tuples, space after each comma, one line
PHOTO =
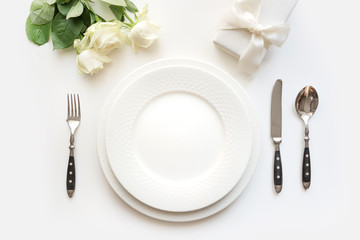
[(272, 12)]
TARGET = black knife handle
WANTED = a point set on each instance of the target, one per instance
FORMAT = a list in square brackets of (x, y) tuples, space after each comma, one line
[(70, 178), (306, 170), (278, 176)]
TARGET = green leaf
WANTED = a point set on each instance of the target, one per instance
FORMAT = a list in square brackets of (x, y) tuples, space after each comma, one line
[(51, 2), (116, 2), (65, 8), (62, 1), (83, 29), (92, 18), (87, 5), (76, 10), (118, 12), (38, 34), (41, 12), (65, 31), (88, 17), (130, 6)]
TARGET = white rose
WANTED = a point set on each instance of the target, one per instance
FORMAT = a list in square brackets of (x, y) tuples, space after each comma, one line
[(103, 37), (90, 61), (106, 37), (143, 34)]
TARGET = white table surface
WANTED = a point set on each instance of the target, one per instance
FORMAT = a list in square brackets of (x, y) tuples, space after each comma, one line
[(322, 50)]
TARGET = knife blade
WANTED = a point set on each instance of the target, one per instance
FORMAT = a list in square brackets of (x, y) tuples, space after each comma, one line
[(276, 124)]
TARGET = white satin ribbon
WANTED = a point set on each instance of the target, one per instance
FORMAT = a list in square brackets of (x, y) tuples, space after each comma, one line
[(244, 15)]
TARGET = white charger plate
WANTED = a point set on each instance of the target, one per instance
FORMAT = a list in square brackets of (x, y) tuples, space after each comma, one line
[(178, 138), (166, 215)]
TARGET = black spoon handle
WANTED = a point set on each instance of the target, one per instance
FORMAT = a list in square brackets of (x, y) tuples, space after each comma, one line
[(306, 169)]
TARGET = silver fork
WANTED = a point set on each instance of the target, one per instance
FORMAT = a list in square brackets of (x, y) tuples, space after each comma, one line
[(73, 120)]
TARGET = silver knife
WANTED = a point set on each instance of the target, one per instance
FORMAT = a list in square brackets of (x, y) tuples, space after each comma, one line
[(276, 122)]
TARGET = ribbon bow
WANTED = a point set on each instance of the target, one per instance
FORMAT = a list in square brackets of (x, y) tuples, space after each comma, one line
[(244, 15)]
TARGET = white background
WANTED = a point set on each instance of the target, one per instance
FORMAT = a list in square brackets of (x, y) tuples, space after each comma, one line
[(322, 50)]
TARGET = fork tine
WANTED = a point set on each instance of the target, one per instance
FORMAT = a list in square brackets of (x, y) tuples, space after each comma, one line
[(75, 106), (68, 106), (78, 105), (72, 105)]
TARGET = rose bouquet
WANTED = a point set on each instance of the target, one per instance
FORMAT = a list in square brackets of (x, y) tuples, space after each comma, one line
[(75, 23)]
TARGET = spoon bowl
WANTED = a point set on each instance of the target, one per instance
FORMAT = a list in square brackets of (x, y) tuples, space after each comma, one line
[(306, 104)]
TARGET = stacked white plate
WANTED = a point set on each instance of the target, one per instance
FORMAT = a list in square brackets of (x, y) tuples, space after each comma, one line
[(178, 139)]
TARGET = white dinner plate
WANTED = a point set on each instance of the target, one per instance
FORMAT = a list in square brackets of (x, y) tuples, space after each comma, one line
[(166, 215), (178, 138)]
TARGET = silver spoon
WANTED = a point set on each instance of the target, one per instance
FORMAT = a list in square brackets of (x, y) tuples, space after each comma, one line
[(306, 104)]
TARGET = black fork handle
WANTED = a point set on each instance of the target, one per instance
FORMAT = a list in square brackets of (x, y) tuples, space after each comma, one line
[(70, 177)]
